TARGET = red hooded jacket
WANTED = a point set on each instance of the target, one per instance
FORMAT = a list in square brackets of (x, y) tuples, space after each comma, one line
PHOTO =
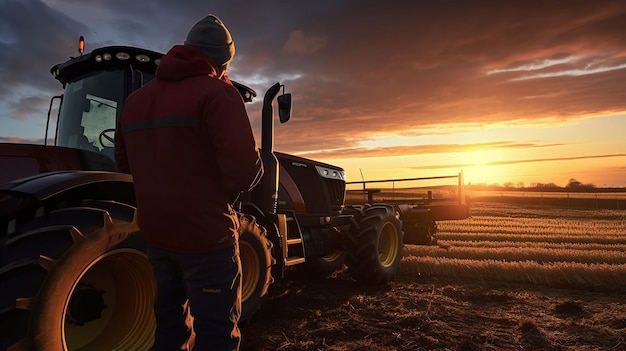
[(186, 139)]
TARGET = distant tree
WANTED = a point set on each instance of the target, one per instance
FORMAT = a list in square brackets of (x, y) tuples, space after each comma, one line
[(520, 184), (574, 184), (509, 185)]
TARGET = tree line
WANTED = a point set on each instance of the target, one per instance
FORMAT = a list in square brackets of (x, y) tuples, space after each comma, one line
[(573, 185)]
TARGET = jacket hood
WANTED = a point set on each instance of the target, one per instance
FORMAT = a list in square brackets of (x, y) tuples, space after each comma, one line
[(183, 61)]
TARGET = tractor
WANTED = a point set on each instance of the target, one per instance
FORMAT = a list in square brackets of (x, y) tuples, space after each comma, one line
[(74, 274)]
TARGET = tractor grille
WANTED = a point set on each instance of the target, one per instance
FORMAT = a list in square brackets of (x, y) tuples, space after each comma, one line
[(336, 192)]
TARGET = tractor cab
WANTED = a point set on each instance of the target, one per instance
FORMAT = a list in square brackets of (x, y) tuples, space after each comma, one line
[(95, 87)]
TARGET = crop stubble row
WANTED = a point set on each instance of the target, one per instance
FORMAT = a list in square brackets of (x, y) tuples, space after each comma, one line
[(544, 246)]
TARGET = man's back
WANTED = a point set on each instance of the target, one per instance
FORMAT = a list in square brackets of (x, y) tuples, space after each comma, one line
[(191, 151)]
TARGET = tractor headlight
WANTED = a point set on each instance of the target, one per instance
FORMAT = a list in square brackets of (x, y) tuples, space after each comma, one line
[(331, 173), (142, 58), (122, 56)]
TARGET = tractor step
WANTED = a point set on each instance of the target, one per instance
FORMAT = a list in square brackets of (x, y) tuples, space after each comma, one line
[(292, 261), (286, 241), (294, 241)]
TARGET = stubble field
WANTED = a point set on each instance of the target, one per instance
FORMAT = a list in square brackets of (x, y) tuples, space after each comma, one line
[(508, 278)]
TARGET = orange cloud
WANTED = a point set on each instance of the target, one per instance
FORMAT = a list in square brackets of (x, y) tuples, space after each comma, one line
[(357, 152)]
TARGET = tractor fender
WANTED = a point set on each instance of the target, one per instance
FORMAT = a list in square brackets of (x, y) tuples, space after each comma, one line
[(267, 221), (251, 209), (52, 187), (47, 185)]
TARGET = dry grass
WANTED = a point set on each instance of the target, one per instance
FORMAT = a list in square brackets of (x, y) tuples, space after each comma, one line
[(557, 247), (558, 274), (533, 244), (512, 253)]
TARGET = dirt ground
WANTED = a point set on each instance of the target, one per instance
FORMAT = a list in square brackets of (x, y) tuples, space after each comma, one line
[(414, 313)]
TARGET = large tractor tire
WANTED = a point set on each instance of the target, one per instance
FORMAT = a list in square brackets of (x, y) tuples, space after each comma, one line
[(326, 265), (76, 278), (256, 265), (374, 243)]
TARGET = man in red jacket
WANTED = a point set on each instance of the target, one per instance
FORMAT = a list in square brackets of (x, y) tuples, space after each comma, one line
[(186, 139)]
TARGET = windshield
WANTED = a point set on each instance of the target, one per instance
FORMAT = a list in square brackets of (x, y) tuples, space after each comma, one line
[(91, 106)]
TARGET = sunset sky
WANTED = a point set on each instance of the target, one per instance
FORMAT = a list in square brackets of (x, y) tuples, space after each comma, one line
[(506, 91)]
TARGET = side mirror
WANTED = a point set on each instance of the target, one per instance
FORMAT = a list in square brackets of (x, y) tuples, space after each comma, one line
[(284, 107), (247, 93)]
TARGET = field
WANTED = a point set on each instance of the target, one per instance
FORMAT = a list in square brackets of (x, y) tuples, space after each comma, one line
[(511, 277)]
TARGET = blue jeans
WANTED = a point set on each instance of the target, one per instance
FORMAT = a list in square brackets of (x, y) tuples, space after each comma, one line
[(211, 283)]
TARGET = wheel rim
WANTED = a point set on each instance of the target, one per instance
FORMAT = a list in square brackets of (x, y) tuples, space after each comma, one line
[(111, 305), (250, 270), (388, 245), (333, 256)]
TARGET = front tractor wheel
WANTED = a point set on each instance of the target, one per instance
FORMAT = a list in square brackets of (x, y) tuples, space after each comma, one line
[(72, 280), (374, 243), (255, 252)]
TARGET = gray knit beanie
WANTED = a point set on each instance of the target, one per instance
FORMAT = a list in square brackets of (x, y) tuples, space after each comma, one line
[(211, 36)]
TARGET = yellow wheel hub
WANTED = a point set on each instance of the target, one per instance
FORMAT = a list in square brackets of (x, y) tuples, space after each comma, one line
[(250, 270), (390, 242), (333, 256), (111, 305)]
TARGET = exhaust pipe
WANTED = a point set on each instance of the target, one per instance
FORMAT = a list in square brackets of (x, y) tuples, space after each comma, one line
[(269, 183)]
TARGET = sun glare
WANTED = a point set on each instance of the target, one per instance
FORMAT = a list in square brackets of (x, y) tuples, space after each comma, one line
[(479, 167)]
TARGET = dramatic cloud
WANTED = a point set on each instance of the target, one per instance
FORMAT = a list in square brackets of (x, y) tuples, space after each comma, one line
[(299, 44), (355, 152), (358, 70)]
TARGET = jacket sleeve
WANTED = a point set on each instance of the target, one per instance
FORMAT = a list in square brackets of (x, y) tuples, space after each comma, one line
[(229, 128), (121, 159)]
